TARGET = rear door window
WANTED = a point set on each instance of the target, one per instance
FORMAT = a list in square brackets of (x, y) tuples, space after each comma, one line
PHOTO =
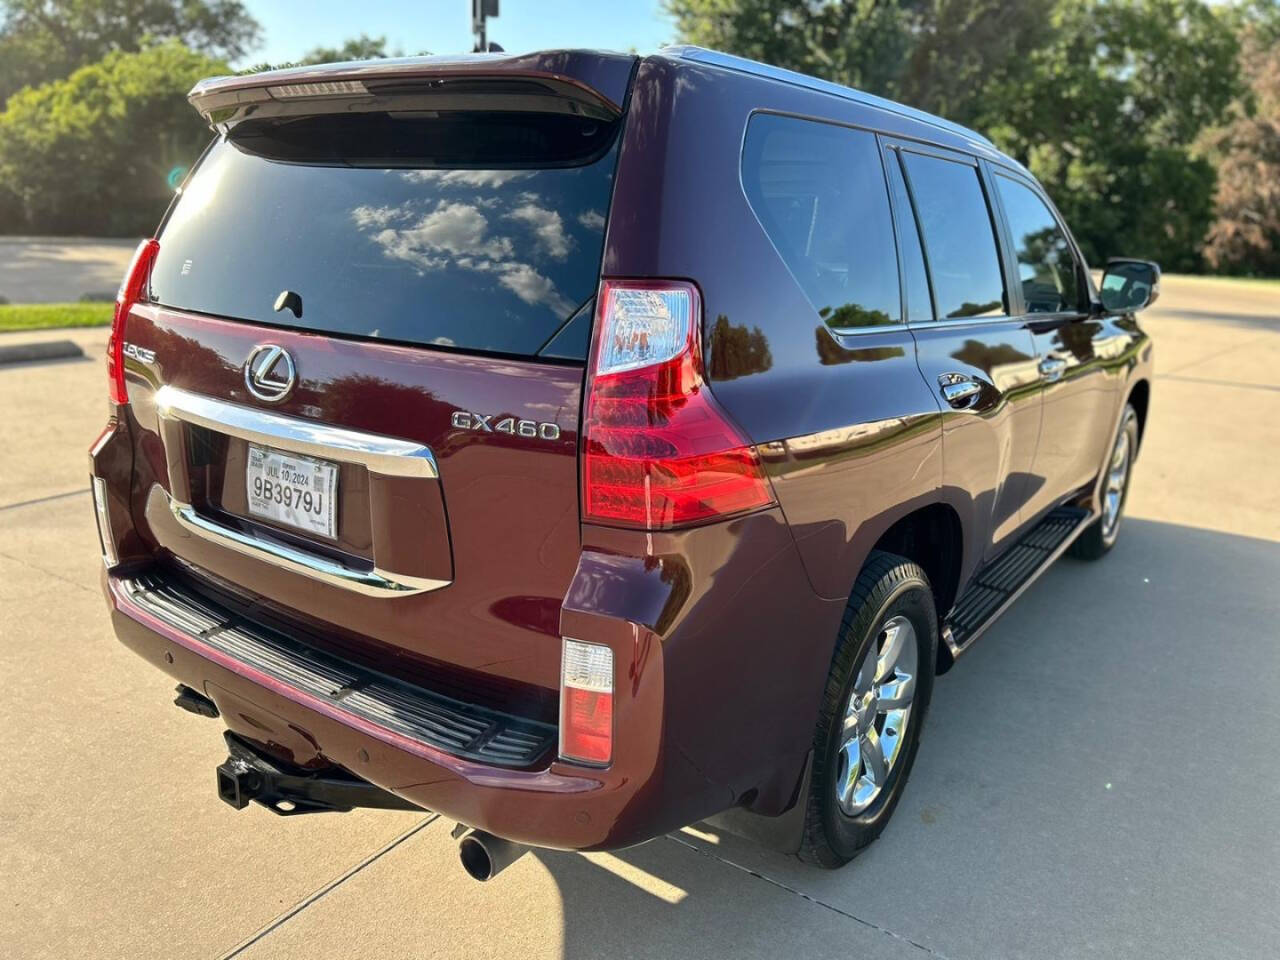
[(959, 238), (1047, 270), (476, 232), (819, 192)]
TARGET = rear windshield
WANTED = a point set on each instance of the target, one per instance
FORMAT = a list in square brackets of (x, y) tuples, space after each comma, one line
[(481, 232)]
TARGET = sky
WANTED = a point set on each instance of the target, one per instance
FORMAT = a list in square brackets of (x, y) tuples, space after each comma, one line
[(291, 27)]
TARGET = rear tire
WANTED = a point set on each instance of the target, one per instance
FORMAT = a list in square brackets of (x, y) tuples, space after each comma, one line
[(1102, 534), (873, 709)]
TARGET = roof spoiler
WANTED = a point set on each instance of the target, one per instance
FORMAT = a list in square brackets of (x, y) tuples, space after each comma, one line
[(585, 83)]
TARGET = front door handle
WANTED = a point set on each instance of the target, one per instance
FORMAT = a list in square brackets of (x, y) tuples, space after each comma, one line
[(960, 392), (1051, 368)]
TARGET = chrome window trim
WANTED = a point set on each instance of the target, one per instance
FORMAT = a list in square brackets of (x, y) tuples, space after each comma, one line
[(865, 331), (388, 456), (955, 322)]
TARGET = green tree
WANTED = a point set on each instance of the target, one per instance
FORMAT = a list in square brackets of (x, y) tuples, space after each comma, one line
[(98, 152), (1245, 235), (939, 55), (43, 40), (1106, 115), (363, 47), (1102, 99)]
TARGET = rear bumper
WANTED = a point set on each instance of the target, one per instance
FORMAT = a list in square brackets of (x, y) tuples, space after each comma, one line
[(555, 805), (720, 651)]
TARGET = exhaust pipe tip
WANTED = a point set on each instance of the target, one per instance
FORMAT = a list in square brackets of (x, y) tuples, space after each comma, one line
[(484, 856)]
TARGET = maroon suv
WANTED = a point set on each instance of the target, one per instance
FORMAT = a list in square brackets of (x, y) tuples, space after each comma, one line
[(582, 445)]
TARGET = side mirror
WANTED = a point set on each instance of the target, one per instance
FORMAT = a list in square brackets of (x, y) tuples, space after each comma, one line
[(1129, 285)]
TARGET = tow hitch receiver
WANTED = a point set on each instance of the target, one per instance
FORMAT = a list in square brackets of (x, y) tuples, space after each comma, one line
[(248, 774)]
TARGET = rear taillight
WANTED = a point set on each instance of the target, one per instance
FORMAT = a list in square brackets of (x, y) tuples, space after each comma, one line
[(132, 289), (659, 451), (586, 702)]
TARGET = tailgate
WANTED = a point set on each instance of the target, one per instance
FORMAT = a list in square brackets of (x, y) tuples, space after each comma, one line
[(452, 544), (356, 383)]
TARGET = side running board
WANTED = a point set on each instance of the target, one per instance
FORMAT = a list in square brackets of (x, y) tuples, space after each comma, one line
[(1002, 581)]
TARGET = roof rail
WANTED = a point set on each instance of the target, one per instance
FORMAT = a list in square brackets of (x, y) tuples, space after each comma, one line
[(742, 65)]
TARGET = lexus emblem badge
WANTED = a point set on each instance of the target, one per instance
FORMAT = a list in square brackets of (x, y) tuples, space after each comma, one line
[(269, 373)]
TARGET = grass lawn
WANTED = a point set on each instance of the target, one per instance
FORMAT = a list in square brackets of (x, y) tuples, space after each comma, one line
[(38, 316)]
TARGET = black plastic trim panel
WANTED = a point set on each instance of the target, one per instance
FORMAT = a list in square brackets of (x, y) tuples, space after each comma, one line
[(1000, 579), (445, 723)]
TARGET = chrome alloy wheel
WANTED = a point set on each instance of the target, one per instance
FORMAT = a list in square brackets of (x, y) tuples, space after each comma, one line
[(1117, 478), (876, 716)]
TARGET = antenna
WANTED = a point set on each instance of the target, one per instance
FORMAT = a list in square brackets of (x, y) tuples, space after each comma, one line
[(480, 11)]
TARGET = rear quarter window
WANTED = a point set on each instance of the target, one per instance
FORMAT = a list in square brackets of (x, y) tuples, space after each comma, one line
[(819, 192), (480, 234)]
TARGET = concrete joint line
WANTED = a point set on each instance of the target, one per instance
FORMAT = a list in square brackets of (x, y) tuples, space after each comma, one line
[(804, 896), (48, 499), (329, 887)]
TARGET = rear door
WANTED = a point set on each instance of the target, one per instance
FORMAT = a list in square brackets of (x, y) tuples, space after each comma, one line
[(977, 356), (357, 382)]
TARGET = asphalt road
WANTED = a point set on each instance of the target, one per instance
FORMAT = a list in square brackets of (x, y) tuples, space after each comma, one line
[(1099, 776)]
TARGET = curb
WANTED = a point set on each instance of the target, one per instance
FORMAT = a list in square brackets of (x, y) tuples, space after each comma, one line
[(42, 350)]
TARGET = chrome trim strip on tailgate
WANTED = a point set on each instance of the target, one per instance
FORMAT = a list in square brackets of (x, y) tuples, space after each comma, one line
[(373, 582), (386, 456)]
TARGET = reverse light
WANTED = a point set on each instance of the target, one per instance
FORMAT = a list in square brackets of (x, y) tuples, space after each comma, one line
[(586, 702), (132, 289), (659, 451)]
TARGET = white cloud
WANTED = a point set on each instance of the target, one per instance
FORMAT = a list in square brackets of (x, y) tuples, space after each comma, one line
[(459, 235), (467, 178), (591, 219), (365, 217), (457, 229), (547, 227), (532, 287)]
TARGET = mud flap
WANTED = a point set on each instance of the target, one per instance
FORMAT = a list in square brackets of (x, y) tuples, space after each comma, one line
[(782, 833)]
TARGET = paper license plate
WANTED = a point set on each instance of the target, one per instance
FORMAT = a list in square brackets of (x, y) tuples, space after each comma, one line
[(293, 490)]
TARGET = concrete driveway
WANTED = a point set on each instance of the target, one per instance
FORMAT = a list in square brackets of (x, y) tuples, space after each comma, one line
[(61, 269), (1099, 776)]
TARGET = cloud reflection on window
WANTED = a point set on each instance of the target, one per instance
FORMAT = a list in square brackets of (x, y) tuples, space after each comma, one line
[(507, 233), (547, 226)]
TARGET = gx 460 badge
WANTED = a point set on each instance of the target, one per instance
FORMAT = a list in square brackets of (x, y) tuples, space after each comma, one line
[(510, 425)]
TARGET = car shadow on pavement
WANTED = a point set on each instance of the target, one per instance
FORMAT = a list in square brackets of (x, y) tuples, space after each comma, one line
[(1088, 781)]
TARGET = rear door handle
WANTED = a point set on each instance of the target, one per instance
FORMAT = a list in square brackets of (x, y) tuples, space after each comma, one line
[(1051, 368), (958, 390)]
